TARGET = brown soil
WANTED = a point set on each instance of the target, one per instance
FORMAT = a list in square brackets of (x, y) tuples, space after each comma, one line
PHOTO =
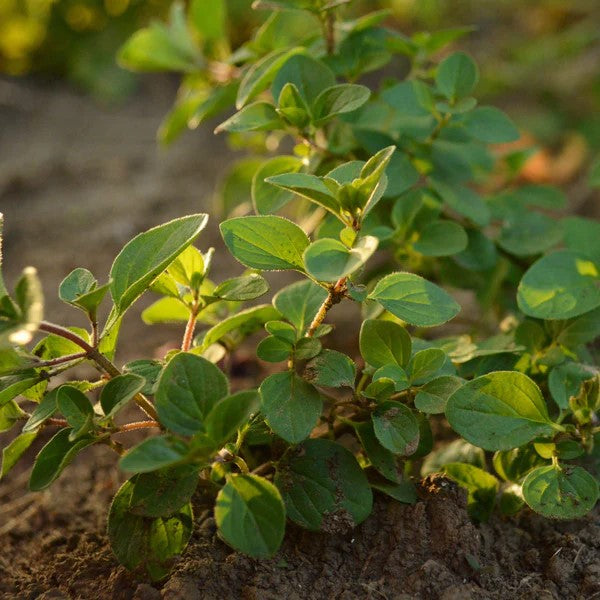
[(76, 182)]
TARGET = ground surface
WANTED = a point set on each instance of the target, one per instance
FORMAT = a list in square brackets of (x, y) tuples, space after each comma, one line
[(69, 174)]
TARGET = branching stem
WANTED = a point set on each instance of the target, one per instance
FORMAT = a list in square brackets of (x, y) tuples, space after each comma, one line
[(335, 295)]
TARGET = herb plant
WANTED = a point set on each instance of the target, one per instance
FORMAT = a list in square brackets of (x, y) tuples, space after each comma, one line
[(391, 204)]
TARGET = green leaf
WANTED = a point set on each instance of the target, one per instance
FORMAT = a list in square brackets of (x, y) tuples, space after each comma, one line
[(529, 233), (441, 238), (414, 299), (80, 288), (250, 515), (481, 486), (299, 303), (261, 74), (464, 201), (513, 465), (139, 541), (43, 411), (291, 406), (282, 330), (162, 48), (396, 428), (118, 391), (209, 18), (594, 178), (245, 322), (432, 397), (268, 243), (266, 197), (54, 457), (339, 99), (274, 349), (246, 287), (148, 369), (188, 388), (13, 385), (307, 348), (154, 453), (329, 260), (14, 451), (583, 236), (381, 458), (166, 310), (259, 116), (566, 492), (331, 369), (565, 381), (499, 411), (560, 285), (308, 186), (230, 414), (310, 76), (187, 266), (490, 125), (424, 364), (162, 493), (581, 330), (384, 343), (457, 451), (10, 415), (323, 487), (456, 76), (76, 408), (147, 254), (395, 374)]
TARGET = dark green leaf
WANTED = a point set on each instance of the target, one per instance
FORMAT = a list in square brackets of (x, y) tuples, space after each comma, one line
[(457, 76), (118, 391), (384, 343), (299, 303), (432, 397), (441, 238), (381, 458), (259, 116), (268, 198), (339, 99), (188, 388), (246, 287), (490, 125), (230, 414), (154, 453), (324, 488), (148, 369), (396, 428), (425, 364), (274, 349), (250, 515), (331, 369), (14, 451), (76, 408)]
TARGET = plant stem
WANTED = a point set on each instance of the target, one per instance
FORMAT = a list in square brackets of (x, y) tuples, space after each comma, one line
[(57, 422), (329, 31), (138, 425), (60, 360), (94, 354), (335, 295), (188, 336)]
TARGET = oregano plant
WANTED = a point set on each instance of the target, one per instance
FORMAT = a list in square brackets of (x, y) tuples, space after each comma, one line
[(378, 196)]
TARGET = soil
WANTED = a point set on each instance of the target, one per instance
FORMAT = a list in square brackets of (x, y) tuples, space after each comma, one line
[(70, 170)]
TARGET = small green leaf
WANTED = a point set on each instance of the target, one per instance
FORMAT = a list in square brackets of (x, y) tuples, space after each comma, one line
[(154, 453), (166, 310), (441, 238), (118, 391), (80, 289), (268, 243), (148, 369), (323, 487), (239, 289), (395, 374), (307, 348), (565, 381), (76, 408), (499, 411), (310, 76), (230, 414), (566, 492), (282, 330), (54, 457), (381, 458), (244, 323), (464, 201), (140, 541), (384, 343), (291, 405), (583, 236), (259, 116), (13, 451), (424, 364), (188, 265), (162, 493), (209, 18), (414, 299), (10, 415), (529, 233), (43, 411), (331, 369), (456, 76), (267, 198), (188, 388), (146, 255), (513, 465), (250, 515), (329, 260), (274, 349), (560, 285), (339, 99), (13, 385), (396, 428), (299, 303), (457, 451), (432, 397), (481, 486), (489, 124)]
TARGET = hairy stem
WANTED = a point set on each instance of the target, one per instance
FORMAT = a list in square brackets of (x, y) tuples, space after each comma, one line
[(60, 360), (335, 295), (188, 335), (138, 425)]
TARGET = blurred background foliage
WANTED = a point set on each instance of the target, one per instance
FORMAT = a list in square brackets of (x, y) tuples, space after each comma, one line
[(540, 59)]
